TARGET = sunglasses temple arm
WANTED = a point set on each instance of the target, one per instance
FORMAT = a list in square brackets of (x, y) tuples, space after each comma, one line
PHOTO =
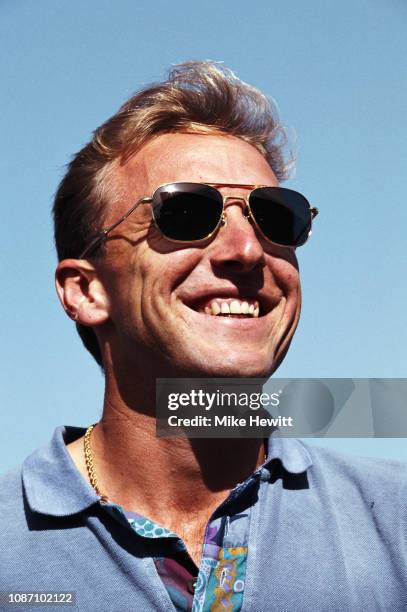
[(100, 237), (92, 246)]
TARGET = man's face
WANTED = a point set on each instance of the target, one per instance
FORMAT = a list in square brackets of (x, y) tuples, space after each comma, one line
[(161, 294)]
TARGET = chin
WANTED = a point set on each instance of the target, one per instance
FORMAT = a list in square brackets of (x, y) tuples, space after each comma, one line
[(232, 366)]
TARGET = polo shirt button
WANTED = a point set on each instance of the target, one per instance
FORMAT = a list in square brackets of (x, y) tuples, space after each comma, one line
[(191, 585), (238, 587)]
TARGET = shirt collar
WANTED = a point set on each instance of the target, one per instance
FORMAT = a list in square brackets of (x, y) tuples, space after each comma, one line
[(291, 452), (52, 482), (54, 486)]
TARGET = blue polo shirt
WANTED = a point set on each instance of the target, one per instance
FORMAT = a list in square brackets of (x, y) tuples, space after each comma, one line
[(324, 532)]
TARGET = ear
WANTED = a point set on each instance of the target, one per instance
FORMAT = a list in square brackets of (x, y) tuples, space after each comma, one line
[(81, 293)]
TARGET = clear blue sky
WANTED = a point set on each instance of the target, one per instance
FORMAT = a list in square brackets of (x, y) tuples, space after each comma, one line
[(337, 72)]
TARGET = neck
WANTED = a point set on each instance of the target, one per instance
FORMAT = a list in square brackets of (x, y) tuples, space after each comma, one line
[(162, 478), (165, 479), (132, 465)]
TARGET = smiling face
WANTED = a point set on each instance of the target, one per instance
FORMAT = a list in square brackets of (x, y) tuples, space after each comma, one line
[(168, 302)]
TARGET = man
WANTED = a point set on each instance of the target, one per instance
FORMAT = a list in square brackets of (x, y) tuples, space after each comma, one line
[(177, 259)]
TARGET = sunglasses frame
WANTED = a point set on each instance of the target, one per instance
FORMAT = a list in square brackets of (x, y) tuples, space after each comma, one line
[(99, 238)]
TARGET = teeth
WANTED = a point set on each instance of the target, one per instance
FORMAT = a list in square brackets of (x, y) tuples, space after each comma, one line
[(225, 308), (244, 308), (215, 308), (232, 307), (235, 307)]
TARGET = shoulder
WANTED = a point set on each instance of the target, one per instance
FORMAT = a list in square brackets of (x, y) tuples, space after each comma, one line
[(365, 500), (10, 487), (12, 515), (354, 464), (348, 474)]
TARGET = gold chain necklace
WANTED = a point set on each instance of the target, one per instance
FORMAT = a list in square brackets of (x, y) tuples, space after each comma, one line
[(90, 467)]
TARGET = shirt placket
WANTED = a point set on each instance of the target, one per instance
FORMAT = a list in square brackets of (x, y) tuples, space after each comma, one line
[(221, 578)]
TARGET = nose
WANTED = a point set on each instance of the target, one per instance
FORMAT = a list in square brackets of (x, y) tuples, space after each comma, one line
[(237, 247)]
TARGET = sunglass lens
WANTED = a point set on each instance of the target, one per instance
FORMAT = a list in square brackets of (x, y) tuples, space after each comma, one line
[(283, 215), (187, 211)]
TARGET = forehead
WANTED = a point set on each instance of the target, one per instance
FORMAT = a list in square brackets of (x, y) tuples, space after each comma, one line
[(195, 157)]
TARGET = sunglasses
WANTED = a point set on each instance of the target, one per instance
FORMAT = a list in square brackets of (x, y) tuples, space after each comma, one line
[(193, 212)]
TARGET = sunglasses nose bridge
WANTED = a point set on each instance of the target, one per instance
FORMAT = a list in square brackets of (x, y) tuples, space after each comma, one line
[(234, 198), (243, 205)]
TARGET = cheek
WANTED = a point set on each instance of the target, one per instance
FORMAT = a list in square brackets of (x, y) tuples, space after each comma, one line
[(285, 275), (158, 273), (291, 280)]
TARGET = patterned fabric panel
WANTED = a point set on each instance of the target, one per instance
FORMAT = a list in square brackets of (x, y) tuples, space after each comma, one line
[(219, 583)]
